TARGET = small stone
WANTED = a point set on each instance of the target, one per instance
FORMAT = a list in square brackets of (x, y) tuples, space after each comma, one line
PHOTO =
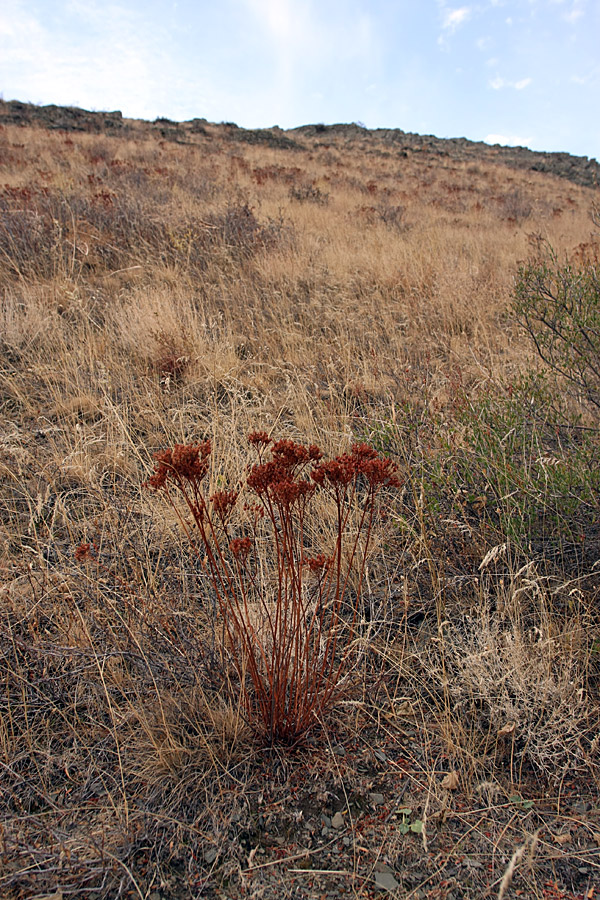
[(346, 841), (325, 820), (210, 855), (376, 799), (581, 807), (386, 881), (338, 820), (339, 750)]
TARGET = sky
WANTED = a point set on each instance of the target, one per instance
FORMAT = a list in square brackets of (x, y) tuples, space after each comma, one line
[(521, 72)]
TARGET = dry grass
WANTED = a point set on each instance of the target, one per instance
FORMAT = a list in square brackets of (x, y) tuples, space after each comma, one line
[(154, 293)]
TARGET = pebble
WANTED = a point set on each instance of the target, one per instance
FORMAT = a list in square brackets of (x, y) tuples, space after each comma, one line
[(581, 807), (338, 820), (376, 799), (386, 881)]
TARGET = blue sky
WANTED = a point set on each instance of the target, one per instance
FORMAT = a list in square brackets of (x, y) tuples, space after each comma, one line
[(507, 71)]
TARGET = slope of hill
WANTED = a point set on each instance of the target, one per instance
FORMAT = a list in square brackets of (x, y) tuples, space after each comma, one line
[(173, 283), (578, 169)]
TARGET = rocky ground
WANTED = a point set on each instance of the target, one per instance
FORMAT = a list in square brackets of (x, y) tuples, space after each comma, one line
[(578, 169)]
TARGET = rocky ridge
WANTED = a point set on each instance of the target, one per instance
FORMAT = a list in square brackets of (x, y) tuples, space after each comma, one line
[(394, 141)]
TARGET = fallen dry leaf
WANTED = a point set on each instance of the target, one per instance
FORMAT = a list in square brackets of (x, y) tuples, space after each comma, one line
[(451, 780), (564, 838), (507, 729), (405, 710)]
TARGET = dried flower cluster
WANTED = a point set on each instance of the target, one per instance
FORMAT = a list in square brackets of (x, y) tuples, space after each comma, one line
[(290, 634), (185, 462)]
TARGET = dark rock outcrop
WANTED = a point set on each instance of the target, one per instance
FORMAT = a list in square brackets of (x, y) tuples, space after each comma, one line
[(64, 118)]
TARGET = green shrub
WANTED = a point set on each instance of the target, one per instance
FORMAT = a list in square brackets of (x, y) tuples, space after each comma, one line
[(500, 465), (559, 305)]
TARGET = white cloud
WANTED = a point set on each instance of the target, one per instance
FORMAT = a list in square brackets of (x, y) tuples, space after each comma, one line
[(109, 62), (576, 11), (455, 17), (591, 77), (508, 140), (498, 83)]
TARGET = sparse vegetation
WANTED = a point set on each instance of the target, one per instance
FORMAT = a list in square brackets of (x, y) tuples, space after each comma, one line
[(559, 305), (193, 702)]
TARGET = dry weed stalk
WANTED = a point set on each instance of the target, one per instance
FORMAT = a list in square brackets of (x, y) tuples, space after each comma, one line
[(290, 637)]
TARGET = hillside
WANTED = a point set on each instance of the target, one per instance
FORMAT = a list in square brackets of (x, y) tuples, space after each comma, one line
[(578, 169), (172, 284)]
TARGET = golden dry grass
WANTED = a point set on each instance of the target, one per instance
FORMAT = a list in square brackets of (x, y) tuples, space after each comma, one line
[(155, 293)]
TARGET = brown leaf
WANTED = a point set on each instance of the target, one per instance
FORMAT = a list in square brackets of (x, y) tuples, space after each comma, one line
[(507, 729), (564, 838), (451, 780), (405, 710)]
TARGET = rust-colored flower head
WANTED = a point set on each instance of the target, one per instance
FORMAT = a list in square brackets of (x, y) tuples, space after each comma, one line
[(340, 471), (319, 564), (240, 548), (380, 473), (285, 492), (223, 502), (85, 552), (362, 452), (362, 460), (289, 454), (262, 476), (184, 462), (259, 438)]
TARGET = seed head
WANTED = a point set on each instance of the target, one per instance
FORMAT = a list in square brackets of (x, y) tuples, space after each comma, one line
[(240, 548), (319, 563), (184, 462), (223, 502), (84, 552), (259, 438)]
